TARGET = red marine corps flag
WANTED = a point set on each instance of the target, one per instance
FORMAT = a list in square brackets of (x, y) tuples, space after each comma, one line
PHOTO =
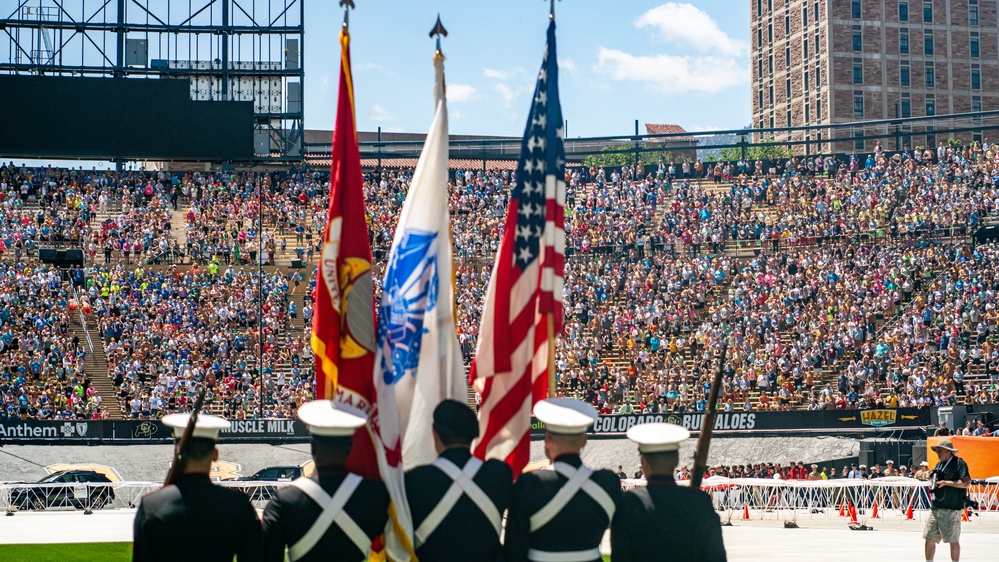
[(514, 362), (343, 327)]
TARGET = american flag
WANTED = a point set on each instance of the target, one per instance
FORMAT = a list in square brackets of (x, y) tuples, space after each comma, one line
[(510, 369)]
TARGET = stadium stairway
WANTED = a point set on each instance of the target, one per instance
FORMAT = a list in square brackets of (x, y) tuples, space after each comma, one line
[(96, 368)]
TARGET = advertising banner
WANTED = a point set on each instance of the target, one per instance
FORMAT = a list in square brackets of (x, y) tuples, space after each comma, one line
[(832, 420)]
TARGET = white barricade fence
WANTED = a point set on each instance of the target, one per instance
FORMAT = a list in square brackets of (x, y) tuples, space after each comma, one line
[(788, 499), (120, 495)]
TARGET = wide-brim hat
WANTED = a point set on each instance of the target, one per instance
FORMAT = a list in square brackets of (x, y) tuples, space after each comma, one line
[(945, 444)]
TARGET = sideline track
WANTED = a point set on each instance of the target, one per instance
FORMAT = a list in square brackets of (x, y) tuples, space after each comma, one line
[(817, 539)]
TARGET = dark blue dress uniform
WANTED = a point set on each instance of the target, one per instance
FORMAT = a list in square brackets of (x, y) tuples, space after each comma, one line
[(663, 521), (353, 512), (453, 526), (196, 520), (538, 532)]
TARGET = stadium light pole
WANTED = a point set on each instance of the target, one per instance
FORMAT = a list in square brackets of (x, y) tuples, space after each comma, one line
[(260, 296)]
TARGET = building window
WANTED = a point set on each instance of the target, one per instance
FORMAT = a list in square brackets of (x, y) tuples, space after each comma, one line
[(787, 57), (818, 109), (976, 50), (805, 49), (855, 9), (858, 39), (818, 81), (789, 118), (804, 16), (931, 79), (805, 73), (927, 11), (759, 6), (903, 11), (771, 122), (771, 61), (931, 139), (928, 41), (904, 74), (788, 88), (976, 107), (808, 116), (770, 33), (973, 15), (858, 140), (761, 99), (976, 77), (903, 41), (931, 106), (770, 91), (906, 108), (818, 44), (858, 104), (858, 71), (759, 36), (759, 66)]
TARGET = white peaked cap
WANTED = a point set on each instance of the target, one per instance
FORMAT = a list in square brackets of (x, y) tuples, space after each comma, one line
[(207, 426), (658, 437), (564, 416), (327, 418)]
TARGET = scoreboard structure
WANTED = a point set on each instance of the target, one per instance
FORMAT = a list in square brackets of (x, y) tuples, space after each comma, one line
[(232, 55)]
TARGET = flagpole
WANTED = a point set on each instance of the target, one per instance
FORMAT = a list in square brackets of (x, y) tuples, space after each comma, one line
[(551, 354), (551, 315)]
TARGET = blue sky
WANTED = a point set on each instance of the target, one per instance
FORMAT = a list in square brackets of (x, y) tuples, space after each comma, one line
[(658, 62)]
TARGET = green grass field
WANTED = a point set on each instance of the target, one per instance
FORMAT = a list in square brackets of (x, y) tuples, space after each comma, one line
[(84, 552)]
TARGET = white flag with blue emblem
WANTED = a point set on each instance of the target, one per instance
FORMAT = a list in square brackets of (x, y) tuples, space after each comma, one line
[(419, 361)]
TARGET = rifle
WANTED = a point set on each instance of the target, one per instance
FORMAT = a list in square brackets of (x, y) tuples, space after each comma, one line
[(179, 457), (704, 439)]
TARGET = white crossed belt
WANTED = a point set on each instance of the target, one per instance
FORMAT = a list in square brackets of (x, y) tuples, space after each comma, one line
[(578, 480), (332, 513), (461, 484)]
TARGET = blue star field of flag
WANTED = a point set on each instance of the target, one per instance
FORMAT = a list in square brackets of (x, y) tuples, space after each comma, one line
[(542, 153)]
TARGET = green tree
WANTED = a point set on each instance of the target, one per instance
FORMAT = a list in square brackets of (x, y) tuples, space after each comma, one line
[(766, 150)]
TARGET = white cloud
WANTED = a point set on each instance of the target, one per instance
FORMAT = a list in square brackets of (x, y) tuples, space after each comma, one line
[(324, 83), (671, 74), (506, 93), (367, 66), (567, 65), (496, 74), (686, 25), (379, 113), (457, 93), (455, 114)]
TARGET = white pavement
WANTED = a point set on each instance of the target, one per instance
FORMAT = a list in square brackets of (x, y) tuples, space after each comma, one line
[(818, 538)]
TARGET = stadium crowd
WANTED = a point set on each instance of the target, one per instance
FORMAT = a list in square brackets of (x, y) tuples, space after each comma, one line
[(863, 288)]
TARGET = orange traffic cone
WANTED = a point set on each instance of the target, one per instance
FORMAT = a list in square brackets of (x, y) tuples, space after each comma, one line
[(908, 513), (965, 516), (842, 509), (853, 515), (745, 513), (875, 514)]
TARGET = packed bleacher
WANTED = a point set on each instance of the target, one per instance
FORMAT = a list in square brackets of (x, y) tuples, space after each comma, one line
[(837, 283)]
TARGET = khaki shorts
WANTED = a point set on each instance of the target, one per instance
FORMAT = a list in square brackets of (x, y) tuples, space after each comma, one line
[(943, 525)]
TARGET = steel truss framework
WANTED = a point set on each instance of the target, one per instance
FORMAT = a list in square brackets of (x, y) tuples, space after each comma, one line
[(230, 50)]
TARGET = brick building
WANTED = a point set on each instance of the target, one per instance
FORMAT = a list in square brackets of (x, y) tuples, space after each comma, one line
[(843, 61)]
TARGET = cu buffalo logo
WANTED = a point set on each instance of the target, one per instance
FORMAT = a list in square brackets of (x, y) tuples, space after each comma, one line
[(145, 430), (408, 297)]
